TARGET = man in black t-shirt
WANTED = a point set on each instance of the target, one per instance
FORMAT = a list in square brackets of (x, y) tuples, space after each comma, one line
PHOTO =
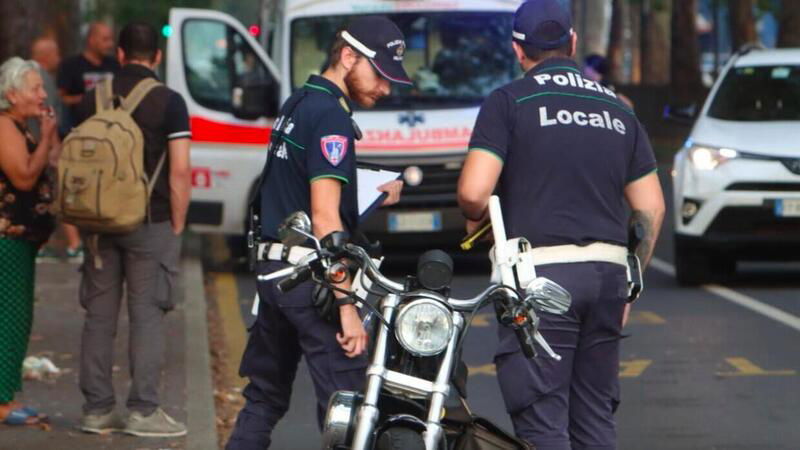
[(81, 73), (564, 155), (144, 261)]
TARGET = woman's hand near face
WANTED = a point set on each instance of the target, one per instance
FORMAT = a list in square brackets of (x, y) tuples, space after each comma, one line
[(47, 123)]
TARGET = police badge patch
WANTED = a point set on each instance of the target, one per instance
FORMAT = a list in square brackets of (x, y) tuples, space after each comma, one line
[(334, 148)]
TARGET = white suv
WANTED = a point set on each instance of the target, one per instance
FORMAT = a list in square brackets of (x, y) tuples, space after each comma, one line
[(737, 178)]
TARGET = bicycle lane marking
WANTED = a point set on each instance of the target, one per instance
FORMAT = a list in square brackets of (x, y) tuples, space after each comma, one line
[(737, 298)]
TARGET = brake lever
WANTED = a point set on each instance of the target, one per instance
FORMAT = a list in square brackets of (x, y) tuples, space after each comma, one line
[(542, 343)]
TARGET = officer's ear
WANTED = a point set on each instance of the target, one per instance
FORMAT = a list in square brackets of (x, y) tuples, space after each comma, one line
[(349, 58), (573, 45), (519, 52)]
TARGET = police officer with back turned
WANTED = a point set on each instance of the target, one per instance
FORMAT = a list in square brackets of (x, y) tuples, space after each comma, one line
[(312, 167), (565, 155)]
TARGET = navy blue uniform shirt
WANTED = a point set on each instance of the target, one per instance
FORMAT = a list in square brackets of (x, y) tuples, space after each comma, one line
[(317, 142), (569, 147)]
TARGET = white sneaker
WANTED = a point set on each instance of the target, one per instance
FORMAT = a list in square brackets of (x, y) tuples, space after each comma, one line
[(158, 424), (101, 423)]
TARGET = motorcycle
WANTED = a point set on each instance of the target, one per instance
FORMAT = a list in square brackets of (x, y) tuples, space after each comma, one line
[(415, 391)]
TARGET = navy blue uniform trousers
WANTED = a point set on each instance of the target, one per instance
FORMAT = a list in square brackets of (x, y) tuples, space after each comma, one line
[(287, 328), (569, 404)]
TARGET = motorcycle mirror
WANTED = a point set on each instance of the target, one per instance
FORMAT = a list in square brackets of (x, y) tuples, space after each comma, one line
[(547, 295), (295, 229)]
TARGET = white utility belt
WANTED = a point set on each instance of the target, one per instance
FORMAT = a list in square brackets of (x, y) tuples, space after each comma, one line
[(596, 252), (565, 254), (275, 251)]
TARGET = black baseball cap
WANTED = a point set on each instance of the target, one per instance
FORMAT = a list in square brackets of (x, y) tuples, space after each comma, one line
[(379, 39), (545, 24)]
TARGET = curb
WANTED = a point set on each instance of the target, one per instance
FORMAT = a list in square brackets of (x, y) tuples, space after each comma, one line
[(200, 410)]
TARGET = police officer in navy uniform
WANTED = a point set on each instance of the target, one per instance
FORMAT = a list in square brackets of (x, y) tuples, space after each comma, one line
[(565, 155), (312, 167)]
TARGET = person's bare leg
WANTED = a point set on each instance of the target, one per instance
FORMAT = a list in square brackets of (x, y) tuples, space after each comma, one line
[(73, 236)]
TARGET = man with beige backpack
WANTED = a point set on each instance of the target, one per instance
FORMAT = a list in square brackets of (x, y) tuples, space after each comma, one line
[(124, 181)]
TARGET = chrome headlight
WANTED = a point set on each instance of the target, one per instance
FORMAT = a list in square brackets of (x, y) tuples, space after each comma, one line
[(424, 327), (709, 158)]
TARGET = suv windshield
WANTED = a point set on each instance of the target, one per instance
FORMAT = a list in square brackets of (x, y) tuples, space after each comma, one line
[(454, 58), (760, 93)]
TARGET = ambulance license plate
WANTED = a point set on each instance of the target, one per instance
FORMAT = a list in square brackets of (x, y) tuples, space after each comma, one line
[(415, 222), (787, 208)]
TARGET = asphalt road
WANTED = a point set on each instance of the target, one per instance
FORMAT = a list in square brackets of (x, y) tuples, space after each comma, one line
[(704, 368)]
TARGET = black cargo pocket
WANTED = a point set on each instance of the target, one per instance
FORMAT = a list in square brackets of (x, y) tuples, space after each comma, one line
[(83, 293), (166, 286), (347, 373), (523, 381), (615, 396)]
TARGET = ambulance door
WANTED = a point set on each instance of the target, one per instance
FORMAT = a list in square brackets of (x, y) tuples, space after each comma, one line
[(232, 91)]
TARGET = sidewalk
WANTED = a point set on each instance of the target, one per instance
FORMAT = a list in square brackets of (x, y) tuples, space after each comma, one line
[(58, 320)]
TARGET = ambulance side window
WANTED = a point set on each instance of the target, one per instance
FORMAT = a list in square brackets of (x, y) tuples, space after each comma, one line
[(224, 73)]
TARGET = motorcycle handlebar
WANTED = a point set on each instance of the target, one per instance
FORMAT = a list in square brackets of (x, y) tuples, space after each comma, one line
[(302, 274), (526, 341)]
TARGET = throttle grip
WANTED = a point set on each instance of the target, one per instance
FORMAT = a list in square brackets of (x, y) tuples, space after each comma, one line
[(526, 341), (291, 282)]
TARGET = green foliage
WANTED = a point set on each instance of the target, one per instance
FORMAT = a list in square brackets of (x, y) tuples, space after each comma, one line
[(155, 12)]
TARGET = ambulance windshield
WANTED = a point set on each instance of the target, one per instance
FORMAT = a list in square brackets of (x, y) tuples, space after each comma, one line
[(454, 58)]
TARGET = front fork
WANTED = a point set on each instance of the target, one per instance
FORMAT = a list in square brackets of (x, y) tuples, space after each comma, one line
[(377, 375), (367, 416), (441, 388)]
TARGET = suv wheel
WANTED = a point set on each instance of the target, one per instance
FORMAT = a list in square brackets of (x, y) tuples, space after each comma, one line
[(695, 266)]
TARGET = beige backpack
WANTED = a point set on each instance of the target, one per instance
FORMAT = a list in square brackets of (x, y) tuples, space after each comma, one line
[(102, 184)]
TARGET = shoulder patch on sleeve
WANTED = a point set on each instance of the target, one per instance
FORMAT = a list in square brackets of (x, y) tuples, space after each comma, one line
[(334, 148)]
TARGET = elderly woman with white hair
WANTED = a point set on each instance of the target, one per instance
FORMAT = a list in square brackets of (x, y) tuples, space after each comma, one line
[(26, 192)]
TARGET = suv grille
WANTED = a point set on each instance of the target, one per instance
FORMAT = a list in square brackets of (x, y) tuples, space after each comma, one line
[(754, 221), (776, 187)]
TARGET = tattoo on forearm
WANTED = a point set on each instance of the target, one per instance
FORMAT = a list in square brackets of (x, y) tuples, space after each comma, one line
[(645, 249)]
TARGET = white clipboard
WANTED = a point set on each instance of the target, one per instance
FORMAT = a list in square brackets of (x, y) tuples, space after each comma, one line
[(369, 197)]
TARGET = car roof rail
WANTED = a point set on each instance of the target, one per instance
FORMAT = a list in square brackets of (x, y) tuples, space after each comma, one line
[(749, 47)]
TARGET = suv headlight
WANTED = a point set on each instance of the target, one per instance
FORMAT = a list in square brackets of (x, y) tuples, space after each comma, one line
[(709, 158), (424, 327)]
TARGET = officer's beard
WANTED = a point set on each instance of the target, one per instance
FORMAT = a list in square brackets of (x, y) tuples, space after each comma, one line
[(359, 92)]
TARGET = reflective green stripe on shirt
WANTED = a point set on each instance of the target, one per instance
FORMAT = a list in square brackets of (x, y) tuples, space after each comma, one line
[(330, 175)]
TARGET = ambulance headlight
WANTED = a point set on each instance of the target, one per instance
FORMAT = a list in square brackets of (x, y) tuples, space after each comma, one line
[(709, 158), (424, 327)]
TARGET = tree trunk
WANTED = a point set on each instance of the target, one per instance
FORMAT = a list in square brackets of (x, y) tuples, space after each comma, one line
[(22, 22), (595, 35), (789, 31), (686, 80), (743, 23), (635, 42), (616, 41), (578, 25), (655, 48)]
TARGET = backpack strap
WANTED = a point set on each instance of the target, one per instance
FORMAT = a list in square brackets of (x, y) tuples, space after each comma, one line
[(104, 96), (151, 183), (139, 92)]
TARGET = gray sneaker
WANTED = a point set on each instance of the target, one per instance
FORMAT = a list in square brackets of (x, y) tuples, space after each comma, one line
[(101, 423), (158, 424)]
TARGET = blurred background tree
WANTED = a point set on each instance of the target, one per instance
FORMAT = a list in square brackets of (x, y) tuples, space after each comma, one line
[(23, 21), (743, 22), (789, 17)]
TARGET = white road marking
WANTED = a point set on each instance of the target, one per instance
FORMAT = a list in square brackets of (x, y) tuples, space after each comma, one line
[(740, 299)]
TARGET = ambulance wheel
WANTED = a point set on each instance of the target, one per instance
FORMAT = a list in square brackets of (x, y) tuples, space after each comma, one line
[(400, 438)]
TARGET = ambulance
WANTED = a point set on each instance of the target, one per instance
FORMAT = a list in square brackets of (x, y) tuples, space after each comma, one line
[(458, 51)]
